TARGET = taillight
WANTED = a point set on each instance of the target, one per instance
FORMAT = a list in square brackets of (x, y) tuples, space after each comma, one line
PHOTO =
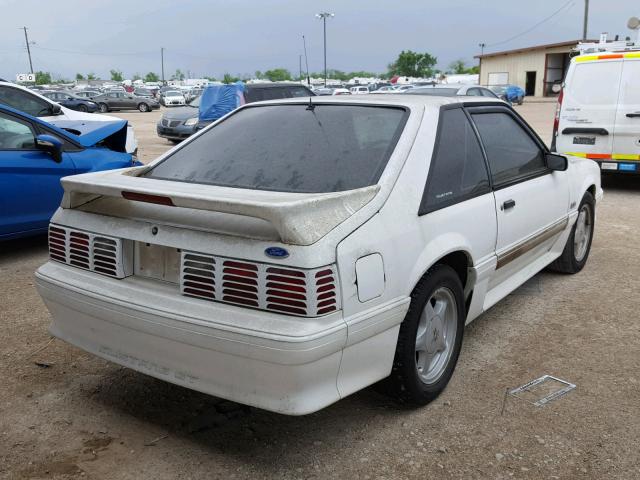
[(98, 253), (280, 289), (556, 121)]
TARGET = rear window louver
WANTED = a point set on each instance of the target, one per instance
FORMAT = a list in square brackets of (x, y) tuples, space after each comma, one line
[(292, 291), (97, 253)]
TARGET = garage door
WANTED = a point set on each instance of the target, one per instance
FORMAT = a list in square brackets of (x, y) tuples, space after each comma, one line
[(499, 78)]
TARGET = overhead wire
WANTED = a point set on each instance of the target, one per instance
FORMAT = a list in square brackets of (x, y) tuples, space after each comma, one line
[(567, 5)]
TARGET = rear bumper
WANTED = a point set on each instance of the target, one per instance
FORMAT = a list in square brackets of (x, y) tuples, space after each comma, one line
[(217, 349)]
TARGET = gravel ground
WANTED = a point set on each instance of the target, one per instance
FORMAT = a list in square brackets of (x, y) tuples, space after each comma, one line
[(65, 414)]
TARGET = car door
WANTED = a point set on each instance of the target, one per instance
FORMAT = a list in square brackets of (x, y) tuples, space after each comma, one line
[(30, 189), (457, 201), (112, 100), (532, 201), (626, 139), (127, 100)]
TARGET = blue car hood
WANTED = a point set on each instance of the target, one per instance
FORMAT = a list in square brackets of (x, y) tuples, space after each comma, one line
[(89, 133)]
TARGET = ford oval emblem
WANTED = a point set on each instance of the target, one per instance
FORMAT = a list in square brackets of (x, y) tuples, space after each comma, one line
[(276, 252)]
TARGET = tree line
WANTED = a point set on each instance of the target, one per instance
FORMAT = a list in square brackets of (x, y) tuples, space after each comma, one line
[(407, 64)]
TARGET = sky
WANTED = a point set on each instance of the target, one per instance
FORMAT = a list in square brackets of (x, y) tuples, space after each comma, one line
[(211, 37)]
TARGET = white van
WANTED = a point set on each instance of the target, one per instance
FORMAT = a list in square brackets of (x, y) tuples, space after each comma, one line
[(598, 115), (359, 90)]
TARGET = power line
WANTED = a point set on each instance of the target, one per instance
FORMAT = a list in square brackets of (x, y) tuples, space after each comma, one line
[(570, 3)]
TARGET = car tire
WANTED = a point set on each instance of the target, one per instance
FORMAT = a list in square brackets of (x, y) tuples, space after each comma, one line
[(576, 251), (143, 107), (104, 108), (174, 141), (83, 108), (430, 335)]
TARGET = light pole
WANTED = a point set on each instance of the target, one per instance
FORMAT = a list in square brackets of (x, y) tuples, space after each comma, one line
[(324, 16), (482, 45)]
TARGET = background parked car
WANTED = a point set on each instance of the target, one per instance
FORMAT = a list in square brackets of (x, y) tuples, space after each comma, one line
[(360, 90), (35, 155), (172, 97), (86, 93), (143, 92), (37, 105), (71, 101), (124, 101), (182, 122), (509, 93), (452, 90)]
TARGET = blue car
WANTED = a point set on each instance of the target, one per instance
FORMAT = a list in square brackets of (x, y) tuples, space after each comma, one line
[(35, 155)]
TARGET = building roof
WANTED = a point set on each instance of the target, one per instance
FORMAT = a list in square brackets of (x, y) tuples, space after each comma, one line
[(570, 43)]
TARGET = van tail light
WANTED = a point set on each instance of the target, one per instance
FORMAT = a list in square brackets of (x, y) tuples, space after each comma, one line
[(556, 121)]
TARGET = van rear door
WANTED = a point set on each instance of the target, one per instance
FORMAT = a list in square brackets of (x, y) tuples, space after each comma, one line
[(626, 140), (588, 114)]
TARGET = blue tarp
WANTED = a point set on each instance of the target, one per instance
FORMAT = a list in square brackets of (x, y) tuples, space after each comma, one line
[(218, 100), (514, 93)]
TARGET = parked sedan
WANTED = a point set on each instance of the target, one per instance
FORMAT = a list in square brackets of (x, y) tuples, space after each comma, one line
[(144, 93), (72, 101), (452, 90), (172, 98), (124, 101), (300, 250), (509, 93), (88, 94), (179, 123), (35, 155)]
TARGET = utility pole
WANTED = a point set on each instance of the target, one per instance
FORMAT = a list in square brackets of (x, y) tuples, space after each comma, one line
[(586, 20), (26, 41), (162, 62), (324, 16)]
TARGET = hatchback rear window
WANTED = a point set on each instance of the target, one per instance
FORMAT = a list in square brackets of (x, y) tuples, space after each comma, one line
[(290, 148)]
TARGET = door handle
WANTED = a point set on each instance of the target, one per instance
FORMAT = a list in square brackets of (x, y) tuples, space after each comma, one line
[(508, 205), (633, 115)]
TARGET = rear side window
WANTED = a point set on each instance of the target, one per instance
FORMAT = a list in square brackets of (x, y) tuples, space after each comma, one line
[(458, 171), (511, 151), (24, 101), (290, 148), (299, 92)]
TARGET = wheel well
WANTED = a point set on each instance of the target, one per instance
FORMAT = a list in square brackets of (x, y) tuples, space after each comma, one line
[(460, 262), (592, 190)]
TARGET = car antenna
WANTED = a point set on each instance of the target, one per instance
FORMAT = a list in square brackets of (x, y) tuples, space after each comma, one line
[(311, 106)]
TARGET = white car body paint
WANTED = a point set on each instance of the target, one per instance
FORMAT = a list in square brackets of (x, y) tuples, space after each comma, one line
[(288, 364)]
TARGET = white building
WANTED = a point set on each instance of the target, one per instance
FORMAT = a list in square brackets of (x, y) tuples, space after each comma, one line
[(534, 69)]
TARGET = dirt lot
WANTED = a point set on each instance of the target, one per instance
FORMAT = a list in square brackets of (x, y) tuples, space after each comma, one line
[(66, 414)]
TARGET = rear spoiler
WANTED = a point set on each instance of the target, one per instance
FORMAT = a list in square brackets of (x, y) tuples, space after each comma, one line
[(299, 218)]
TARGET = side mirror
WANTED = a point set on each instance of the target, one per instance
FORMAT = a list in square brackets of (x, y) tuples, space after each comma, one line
[(50, 144), (56, 109), (556, 162)]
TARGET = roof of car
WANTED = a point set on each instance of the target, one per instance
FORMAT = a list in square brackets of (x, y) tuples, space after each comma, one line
[(401, 100), (274, 85)]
